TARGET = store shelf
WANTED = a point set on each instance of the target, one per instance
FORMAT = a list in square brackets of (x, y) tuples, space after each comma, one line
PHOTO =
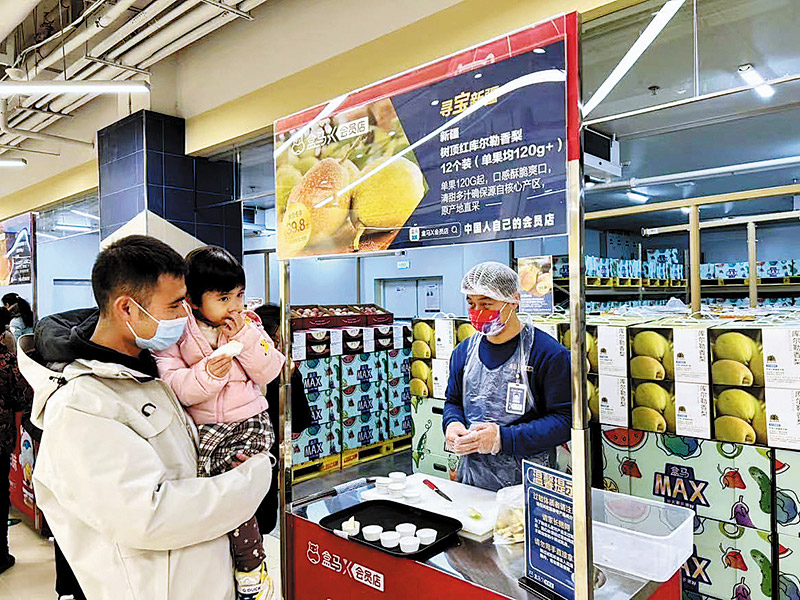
[(663, 287), (741, 288)]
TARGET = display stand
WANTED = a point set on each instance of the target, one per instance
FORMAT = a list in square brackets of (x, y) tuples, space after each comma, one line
[(301, 541)]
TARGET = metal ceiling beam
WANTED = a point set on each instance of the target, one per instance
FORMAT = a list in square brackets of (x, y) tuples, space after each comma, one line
[(116, 65), (725, 222), (738, 169), (18, 149), (231, 9), (782, 190)]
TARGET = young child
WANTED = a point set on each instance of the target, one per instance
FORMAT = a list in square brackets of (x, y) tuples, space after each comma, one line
[(223, 394)]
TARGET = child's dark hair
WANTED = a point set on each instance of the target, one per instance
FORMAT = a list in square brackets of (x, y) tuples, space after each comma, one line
[(270, 315), (5, 319), (212, 269), (23, 307)]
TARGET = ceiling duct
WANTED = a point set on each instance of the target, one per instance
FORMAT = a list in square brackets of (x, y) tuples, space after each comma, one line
[(13, 13)]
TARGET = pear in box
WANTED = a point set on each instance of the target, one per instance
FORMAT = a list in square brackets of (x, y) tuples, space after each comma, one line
[(420, 349), (420, 370), (731, 372), (651, 395), (646, 367), (756, 365), (423, 332), (647, 419), (593, 394), (734, 429), (735, 346), (465, 331), (759, 425), (418, 388), (738, 403), (650, 343)]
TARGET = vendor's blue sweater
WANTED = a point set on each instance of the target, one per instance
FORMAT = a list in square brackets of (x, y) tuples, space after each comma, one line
[(548, 424)]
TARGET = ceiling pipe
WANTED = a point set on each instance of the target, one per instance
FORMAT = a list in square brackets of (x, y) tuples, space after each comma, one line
[(163, 31), (4, 128), (156, 48), (18, 149), (176, 40), (739, 169), (35, 67), (14, 12)]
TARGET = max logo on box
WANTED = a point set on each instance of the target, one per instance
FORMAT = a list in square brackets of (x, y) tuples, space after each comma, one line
[(695, 571), (677, 485)]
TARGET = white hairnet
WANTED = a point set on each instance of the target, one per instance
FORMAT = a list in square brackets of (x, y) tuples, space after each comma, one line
[(493, 280)]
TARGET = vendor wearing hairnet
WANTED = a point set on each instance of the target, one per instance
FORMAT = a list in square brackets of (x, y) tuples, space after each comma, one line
[(508, 397)]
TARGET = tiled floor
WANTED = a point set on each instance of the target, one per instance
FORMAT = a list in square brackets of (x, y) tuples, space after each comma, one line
[(33, 577)]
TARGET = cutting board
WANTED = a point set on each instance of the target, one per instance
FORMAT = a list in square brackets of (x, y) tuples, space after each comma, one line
[(464, 497)]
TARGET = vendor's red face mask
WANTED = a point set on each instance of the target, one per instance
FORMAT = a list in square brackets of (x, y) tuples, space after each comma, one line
[(487, 322)]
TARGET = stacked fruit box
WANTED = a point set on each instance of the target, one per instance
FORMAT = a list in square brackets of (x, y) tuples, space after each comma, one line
[(364, 399), (730, 487), (321, 381), (398, 363), (434, 342)]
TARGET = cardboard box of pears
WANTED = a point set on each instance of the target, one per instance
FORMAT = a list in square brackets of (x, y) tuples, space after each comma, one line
[(434, 342), (321, 332), (733, 381)]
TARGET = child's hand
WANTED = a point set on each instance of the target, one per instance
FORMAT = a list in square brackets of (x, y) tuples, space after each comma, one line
[(219, 366), (233, 324)]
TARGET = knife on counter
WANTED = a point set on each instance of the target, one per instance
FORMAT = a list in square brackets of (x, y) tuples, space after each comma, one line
[(432, 485)]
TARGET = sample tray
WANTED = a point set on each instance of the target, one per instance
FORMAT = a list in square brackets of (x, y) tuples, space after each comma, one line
[(389, 515)]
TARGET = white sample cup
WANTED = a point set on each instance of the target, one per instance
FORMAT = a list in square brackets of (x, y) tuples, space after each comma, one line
[(390, 539), (411, 496), (382, 485), (406, 529), (351, 529), (396, 489), (372, 533), (426, 536), (398, 477), (409, 544)]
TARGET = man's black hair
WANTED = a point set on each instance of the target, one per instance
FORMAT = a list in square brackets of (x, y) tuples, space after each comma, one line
[(212, 269), (270, 315), (132, 266)]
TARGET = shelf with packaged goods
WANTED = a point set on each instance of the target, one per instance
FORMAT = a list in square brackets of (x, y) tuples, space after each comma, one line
[(625, 290)]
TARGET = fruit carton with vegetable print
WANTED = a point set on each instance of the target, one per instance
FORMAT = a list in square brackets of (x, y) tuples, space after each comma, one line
[(726, 482)]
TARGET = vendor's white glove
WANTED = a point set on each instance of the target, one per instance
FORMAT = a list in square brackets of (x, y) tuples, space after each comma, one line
[(454, 431), (488, 437), (483, 438)]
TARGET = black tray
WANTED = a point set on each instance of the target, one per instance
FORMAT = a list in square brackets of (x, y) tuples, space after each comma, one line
[(389, 515)]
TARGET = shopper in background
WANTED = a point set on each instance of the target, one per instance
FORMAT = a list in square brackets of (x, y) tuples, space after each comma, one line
[(267, 513), (6, 337), (223, 391), (22, 321), (508, 396), (116, 474), (15, 396)]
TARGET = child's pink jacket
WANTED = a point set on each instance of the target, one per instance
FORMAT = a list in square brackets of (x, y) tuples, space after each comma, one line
[(233, 398)]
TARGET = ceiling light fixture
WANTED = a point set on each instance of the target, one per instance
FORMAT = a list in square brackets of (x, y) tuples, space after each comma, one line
[(41, 88), (686, 210), (67, 227), (539, 50), (86, 215), (651, 32), (637, 197), (13, 162), (753, 77)]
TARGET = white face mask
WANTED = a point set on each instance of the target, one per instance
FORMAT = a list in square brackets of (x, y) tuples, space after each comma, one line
[(168, 332)]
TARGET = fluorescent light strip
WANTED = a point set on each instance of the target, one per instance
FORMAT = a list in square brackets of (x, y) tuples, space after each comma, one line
[(753, 77), (66, 227), (13, 162), (651, 32), (86, 215), (637, 197), (40, 88)]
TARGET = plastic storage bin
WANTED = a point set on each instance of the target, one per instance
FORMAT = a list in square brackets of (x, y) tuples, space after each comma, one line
[(643, 538)]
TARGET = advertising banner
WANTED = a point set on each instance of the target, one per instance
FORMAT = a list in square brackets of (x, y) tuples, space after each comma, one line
[(16, 260), (549, 549), (470, 148), (536, 283)]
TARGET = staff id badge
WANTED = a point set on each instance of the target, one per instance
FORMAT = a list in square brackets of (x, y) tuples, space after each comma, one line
[(515, 398)]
